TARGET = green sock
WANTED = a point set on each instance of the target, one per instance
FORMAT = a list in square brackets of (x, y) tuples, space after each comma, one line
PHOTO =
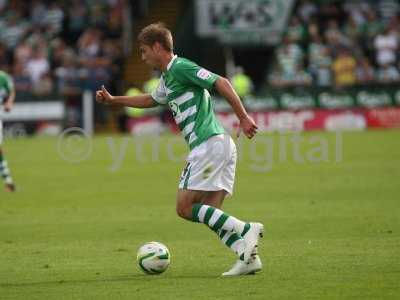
[(217, 219), (233, 241), (229, 229)]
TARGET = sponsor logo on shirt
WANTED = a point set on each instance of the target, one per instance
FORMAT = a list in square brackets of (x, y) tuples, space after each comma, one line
[(203, 74)]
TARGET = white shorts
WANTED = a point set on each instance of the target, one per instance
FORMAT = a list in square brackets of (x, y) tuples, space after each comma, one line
[(211, 166)]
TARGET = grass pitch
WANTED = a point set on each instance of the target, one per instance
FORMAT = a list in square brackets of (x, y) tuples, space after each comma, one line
[(72, 229)]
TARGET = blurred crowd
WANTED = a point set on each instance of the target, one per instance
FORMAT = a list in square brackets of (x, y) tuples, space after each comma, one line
[(339, 44), (61, 46)]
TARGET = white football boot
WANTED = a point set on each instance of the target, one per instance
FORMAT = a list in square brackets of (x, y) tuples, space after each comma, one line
[(242, 268), (251, 240)]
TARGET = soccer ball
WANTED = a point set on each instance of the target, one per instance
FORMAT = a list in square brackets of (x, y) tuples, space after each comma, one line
[(153, 258)]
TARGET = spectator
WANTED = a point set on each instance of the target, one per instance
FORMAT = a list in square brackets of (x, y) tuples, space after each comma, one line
[(388, 74), (68, 75), (44, 86), (333, 32), (386, 46), (331, 11), (394, 25), (5, 57), (355, 25), (38, 37), (301, 77), (114, 28), (38, 41), (306, 10), (289, 56), (14, 29), (89, 45), (370, 29), (3, 4), (112, 54), (298, 77), (319, 62), (54, 18), (353, 31), (388, 9), (37, 66), (58, 48), (356, 12), (275, 78), (38, 12), (344, 67), (93, 60), (77, 16), (296, 32), (365, 72), (335, 38), (98, 16), (23, 53), (373, 25), (22, 81), (313, 28)]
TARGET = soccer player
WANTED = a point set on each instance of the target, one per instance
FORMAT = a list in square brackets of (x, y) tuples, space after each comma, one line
[(7, 97), (209, 173)]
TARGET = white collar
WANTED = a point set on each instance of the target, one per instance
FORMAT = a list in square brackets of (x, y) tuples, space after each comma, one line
[(171, 62)]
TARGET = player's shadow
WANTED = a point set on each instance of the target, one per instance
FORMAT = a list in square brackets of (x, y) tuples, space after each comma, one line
[(134, 277)]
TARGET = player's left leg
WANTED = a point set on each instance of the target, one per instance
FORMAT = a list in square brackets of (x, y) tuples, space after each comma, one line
[(5, 173), (185, 199), (189, 207), (4, 170), (210, 168), (233, 240)]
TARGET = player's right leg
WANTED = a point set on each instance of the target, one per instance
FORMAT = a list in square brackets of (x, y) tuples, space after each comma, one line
[(5, 173), (4, 170)]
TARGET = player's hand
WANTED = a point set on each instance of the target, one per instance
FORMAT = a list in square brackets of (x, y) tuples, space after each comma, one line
[(248, 126), (8, 105), (103, 96)]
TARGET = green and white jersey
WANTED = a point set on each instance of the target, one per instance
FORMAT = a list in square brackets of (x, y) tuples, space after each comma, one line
[(184, 87), (6, 86)]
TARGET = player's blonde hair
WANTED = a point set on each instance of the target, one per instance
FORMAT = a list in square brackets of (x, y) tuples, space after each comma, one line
[(156, 33)]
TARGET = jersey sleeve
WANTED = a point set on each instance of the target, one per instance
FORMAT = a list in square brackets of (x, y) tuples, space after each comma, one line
[(191, 73), (160, 94)]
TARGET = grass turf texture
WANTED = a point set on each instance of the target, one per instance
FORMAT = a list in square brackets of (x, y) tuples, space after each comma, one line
[(72, 230)]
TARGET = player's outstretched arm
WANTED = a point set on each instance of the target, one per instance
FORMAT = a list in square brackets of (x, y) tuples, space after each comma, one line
[(247, 124), (140, 101)]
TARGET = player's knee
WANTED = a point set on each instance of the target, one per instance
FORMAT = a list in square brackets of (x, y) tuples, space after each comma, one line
[(184, 210), (179, 211)]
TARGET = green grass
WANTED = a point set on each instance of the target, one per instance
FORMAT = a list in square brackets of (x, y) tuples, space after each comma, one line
[(72, 230)]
